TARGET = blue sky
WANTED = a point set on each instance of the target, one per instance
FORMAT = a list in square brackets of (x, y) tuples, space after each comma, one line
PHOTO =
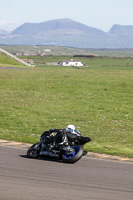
[(101, 14)]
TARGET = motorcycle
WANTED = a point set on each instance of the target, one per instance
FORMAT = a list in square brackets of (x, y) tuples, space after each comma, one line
[(49, 149)]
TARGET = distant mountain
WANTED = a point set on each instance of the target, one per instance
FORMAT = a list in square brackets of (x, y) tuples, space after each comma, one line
[(65, 26), (60, 32), (121, 30), (67, 32)]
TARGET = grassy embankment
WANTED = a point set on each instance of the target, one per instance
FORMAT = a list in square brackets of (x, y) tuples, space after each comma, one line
[(6, 61), (97, 99)]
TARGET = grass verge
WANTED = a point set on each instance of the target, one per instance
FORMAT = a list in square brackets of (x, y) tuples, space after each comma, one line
[(98, 101)]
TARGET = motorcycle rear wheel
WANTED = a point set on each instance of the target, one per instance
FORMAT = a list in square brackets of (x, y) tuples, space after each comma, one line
[(74, 156)]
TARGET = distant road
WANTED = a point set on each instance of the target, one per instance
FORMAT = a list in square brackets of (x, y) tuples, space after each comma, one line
[(89, 179)]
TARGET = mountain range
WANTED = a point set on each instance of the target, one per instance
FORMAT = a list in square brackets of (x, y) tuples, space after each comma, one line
[(67, 32)]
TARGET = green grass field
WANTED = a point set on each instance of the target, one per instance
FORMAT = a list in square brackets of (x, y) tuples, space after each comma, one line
[(96, 99), (96, 62)]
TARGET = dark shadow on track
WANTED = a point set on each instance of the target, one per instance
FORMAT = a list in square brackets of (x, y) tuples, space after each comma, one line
[(45, 159)]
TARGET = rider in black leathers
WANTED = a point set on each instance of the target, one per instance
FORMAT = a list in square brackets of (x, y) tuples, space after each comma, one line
[(61, 137)]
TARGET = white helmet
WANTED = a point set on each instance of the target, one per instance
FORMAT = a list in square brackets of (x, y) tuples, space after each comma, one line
[(71, 127), (73, 130)]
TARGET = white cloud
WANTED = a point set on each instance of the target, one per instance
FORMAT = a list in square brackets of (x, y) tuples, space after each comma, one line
[(7, 25), (3, 22)]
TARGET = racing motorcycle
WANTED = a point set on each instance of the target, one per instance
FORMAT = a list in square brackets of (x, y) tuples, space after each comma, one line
[(49, 149)]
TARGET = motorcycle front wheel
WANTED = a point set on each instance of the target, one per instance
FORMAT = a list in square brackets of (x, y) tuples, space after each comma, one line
[(73, 157), (32, 152)]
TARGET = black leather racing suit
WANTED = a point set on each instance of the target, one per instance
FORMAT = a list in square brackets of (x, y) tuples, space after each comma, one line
[(61, 138)]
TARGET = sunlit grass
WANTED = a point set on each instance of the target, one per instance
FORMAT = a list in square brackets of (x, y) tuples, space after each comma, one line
[(97, 101)]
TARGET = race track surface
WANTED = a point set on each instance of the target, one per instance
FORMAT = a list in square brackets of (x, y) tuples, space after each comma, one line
[(22, 178)]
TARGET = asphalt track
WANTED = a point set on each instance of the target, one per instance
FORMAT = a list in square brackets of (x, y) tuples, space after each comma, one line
[(22, 178)]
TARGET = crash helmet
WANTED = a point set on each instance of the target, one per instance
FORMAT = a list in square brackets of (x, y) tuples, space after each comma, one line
[(72, 129)]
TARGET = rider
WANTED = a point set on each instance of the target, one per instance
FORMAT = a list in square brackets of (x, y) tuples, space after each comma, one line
[(62, 135)]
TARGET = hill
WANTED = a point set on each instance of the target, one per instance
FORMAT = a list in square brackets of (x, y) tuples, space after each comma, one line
[(60, 32), (67, 32), (64, 26), (118, 30)]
